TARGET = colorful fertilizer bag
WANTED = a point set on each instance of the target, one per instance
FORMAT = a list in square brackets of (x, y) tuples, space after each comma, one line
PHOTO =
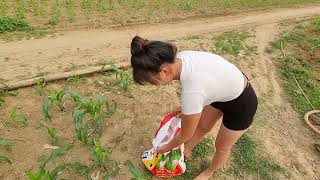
[(170, 163)]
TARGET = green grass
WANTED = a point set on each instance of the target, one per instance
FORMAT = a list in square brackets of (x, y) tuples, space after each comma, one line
[(10, 24), (200, 159), (302, 45), (233, 43), (247, 161), (71, 10), (55, 14)]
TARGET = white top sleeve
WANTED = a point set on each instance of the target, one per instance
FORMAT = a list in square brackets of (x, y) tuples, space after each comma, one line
[(192, 102)]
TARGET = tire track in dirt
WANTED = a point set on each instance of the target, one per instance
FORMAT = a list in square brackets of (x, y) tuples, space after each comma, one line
[(30, 58)]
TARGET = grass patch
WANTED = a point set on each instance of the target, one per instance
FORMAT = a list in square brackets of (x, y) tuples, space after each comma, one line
[(246, 160), (302, 62), (199, 160), (234, 43), (10, 24)]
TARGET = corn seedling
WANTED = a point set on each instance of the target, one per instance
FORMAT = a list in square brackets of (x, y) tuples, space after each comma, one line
[(42, 173), (100, 153), (56, 14), (101, 7), (97, 109), (45, 109), (13, 93), (56, 97), (134, 171), (5, 160), (71, 9), (81, 130), (75, 79), (2, 93), (20, 9), (122, 78), (55, 140), (5, 144), (39, 87), (18, 118)]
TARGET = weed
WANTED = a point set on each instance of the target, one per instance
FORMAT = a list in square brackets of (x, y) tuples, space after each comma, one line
[(111, 4), (5, 159), (56, 14), (203, 150), (233, 43), (18, 118), (71, 9), (87, 6), (3, 8), (247, 160), (20, 9), (13, 93), (10, 24), (101, 7), (36, 7)]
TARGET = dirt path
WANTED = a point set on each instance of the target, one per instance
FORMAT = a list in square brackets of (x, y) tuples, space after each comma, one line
[(30, 58)]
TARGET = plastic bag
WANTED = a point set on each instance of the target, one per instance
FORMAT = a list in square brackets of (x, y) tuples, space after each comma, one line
[(170, 163)]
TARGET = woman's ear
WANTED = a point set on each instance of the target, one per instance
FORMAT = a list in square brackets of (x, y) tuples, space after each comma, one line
[(164, 70)]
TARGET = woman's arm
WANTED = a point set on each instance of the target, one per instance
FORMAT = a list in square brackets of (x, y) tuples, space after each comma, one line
[(189, 124)]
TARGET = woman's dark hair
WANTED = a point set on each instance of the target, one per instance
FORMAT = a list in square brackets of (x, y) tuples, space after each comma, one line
[(148, 56)]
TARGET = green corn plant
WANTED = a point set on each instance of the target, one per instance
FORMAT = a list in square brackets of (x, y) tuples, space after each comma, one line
[(45, 109), (71, 9), (5, 144), (18, 118), (80, 128), (5, 160), (39, 87), (56, 14), (100, 153), (76, 97), (122, 78), (134, 171), (56, 97), (55, 140)]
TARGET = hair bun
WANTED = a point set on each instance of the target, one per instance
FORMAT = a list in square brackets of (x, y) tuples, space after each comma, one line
[(137, 45)]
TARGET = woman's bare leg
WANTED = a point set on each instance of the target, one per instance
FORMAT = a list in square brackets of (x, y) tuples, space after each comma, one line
[(225, 140), (209, 117)]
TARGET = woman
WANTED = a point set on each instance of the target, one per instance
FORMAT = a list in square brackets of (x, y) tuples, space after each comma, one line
[(212, 88)]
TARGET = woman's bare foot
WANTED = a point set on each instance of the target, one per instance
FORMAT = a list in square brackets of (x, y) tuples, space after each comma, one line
[(205, 175), (187, 153)]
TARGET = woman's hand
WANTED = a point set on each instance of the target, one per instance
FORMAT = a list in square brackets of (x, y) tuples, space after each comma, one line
[(177, 112), (162, 149)]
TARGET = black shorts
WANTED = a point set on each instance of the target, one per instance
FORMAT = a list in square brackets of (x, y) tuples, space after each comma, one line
[(238, 113)]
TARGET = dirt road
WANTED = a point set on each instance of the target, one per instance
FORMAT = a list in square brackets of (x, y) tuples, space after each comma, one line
[(78, 49)]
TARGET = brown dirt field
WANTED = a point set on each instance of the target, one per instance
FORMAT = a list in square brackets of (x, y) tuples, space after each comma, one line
[(77, 49), (278, 128)]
